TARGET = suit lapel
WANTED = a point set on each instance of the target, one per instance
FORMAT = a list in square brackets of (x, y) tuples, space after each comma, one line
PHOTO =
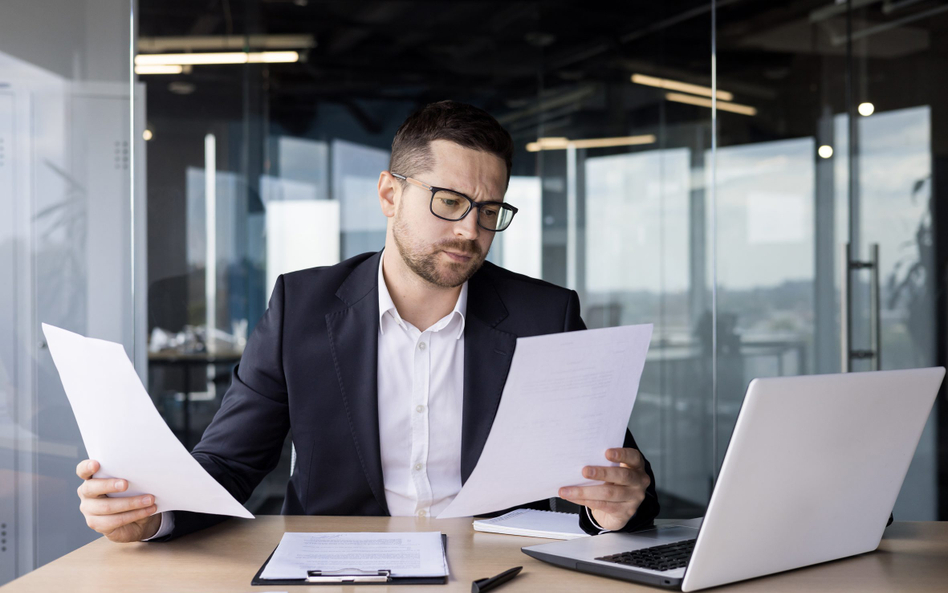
[(487, 356), (353, 339)]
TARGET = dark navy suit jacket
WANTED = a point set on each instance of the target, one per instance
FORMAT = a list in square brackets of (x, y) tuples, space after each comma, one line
[(310, 367)]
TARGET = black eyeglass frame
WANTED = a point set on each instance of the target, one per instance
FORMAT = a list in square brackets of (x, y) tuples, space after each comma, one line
[(471, 204)]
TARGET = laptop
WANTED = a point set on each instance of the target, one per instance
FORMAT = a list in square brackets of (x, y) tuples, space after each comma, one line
[(811, 474)]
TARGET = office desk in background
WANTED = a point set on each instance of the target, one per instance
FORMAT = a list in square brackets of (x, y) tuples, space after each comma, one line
[(187, 362), (224, 558)]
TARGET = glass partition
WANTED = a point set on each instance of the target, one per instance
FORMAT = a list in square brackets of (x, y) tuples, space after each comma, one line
[(615, 208), (71, 248), (825, 201)]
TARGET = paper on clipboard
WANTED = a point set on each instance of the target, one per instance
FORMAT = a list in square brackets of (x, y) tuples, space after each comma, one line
[(411, 554)]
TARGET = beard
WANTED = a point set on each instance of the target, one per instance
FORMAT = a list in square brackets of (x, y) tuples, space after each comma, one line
[(427, 263)]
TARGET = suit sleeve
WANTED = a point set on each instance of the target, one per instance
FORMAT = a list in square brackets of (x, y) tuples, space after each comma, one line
[(573, 321), (649, 508), (244, 440)]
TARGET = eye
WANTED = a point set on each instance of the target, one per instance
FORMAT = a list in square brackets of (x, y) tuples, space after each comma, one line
[(450, 202), (490, 212)]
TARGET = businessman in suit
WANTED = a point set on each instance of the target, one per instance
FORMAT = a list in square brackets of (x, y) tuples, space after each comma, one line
[(388, 368)]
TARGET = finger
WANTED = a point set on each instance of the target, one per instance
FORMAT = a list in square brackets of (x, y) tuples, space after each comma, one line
[(608, 492), (87, 468), (101, 487), (621, 509), (630, 457), (616, 475), (108, 523), (115, 506), (623, 476)]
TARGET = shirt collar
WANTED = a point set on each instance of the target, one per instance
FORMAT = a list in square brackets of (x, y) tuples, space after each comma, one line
[(387, 305)]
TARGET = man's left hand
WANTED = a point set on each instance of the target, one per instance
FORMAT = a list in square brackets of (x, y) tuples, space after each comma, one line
[(614, 502)]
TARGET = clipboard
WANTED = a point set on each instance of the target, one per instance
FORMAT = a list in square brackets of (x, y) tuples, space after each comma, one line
[(351, 576)]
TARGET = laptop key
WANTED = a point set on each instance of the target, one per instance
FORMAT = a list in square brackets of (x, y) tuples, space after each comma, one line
[(659, 558)]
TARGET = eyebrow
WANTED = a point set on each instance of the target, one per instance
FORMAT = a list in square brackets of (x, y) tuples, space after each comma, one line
[(461, 193)]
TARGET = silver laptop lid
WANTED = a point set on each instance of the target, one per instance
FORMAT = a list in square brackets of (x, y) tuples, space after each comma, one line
[(812, 472)]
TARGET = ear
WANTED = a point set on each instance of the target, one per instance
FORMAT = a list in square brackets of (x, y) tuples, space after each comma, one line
[(388, 193)]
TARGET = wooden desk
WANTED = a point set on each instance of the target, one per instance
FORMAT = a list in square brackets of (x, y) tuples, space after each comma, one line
[(912, 557)]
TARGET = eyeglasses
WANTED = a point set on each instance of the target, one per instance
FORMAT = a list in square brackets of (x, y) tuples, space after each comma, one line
[(448, 204)]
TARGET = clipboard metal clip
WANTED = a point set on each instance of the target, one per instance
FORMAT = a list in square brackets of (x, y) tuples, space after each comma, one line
[(348, 575)]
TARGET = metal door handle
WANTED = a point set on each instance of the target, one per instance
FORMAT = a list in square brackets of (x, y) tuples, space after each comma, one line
[(875, 313), (844, 309), (848, 265)]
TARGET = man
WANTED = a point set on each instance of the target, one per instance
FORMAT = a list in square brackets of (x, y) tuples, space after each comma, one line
[(388, 418)]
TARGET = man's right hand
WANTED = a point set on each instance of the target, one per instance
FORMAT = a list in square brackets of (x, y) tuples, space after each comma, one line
[(125, 519)]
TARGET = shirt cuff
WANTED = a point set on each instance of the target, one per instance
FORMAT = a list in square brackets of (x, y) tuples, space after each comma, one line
[(589, 516), (166, 526)]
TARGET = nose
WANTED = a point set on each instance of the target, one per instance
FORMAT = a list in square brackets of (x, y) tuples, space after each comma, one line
[(467, 228)]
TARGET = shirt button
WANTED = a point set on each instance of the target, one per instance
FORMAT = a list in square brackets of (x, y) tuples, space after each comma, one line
[(422, 346), (418, 467), (422, 514), (419, 409)]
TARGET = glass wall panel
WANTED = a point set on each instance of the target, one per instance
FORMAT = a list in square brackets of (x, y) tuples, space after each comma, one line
[(765, 268), (617, 211), (626, 226), (899, 136), (838, 149), (70, 249)]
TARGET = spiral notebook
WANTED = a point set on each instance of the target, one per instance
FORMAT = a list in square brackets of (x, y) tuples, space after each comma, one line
[(534, 523)]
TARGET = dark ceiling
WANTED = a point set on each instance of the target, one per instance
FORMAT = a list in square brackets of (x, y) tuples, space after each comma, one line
[(563, 65)]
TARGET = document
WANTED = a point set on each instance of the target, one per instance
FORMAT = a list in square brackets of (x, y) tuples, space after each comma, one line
[(123, 431), (567, 399), (411, 554)]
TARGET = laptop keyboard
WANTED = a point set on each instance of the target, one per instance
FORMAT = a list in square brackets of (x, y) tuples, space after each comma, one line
[(659, 558)]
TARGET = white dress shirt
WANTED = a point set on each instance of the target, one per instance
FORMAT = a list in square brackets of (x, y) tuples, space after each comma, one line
[(421, 394)]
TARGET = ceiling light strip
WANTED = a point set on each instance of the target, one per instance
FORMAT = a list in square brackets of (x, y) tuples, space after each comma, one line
[(564, 143), (609, 142), (237, 57), (675, 85), (702, 102), (158, 69), (224, 43)]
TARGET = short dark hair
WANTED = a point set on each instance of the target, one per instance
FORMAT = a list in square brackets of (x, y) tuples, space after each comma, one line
[(460, 123)]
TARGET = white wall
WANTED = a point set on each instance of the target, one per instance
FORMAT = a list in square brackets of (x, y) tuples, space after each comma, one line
[(522, 243), (301, 234)]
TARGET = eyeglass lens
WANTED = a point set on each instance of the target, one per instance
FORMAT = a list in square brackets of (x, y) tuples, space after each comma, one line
[(453, 207)]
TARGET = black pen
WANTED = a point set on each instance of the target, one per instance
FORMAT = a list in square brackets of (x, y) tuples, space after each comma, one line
[(481, 585)]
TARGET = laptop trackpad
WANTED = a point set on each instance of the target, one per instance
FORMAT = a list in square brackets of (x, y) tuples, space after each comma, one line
[(648, 538), (589, 548)]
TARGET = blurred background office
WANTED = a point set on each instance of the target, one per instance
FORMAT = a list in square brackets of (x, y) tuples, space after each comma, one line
[(758, 179)]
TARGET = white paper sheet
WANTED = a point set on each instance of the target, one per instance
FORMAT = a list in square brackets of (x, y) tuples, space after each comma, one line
[(567, 399), (123, 431), (410, 554)]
